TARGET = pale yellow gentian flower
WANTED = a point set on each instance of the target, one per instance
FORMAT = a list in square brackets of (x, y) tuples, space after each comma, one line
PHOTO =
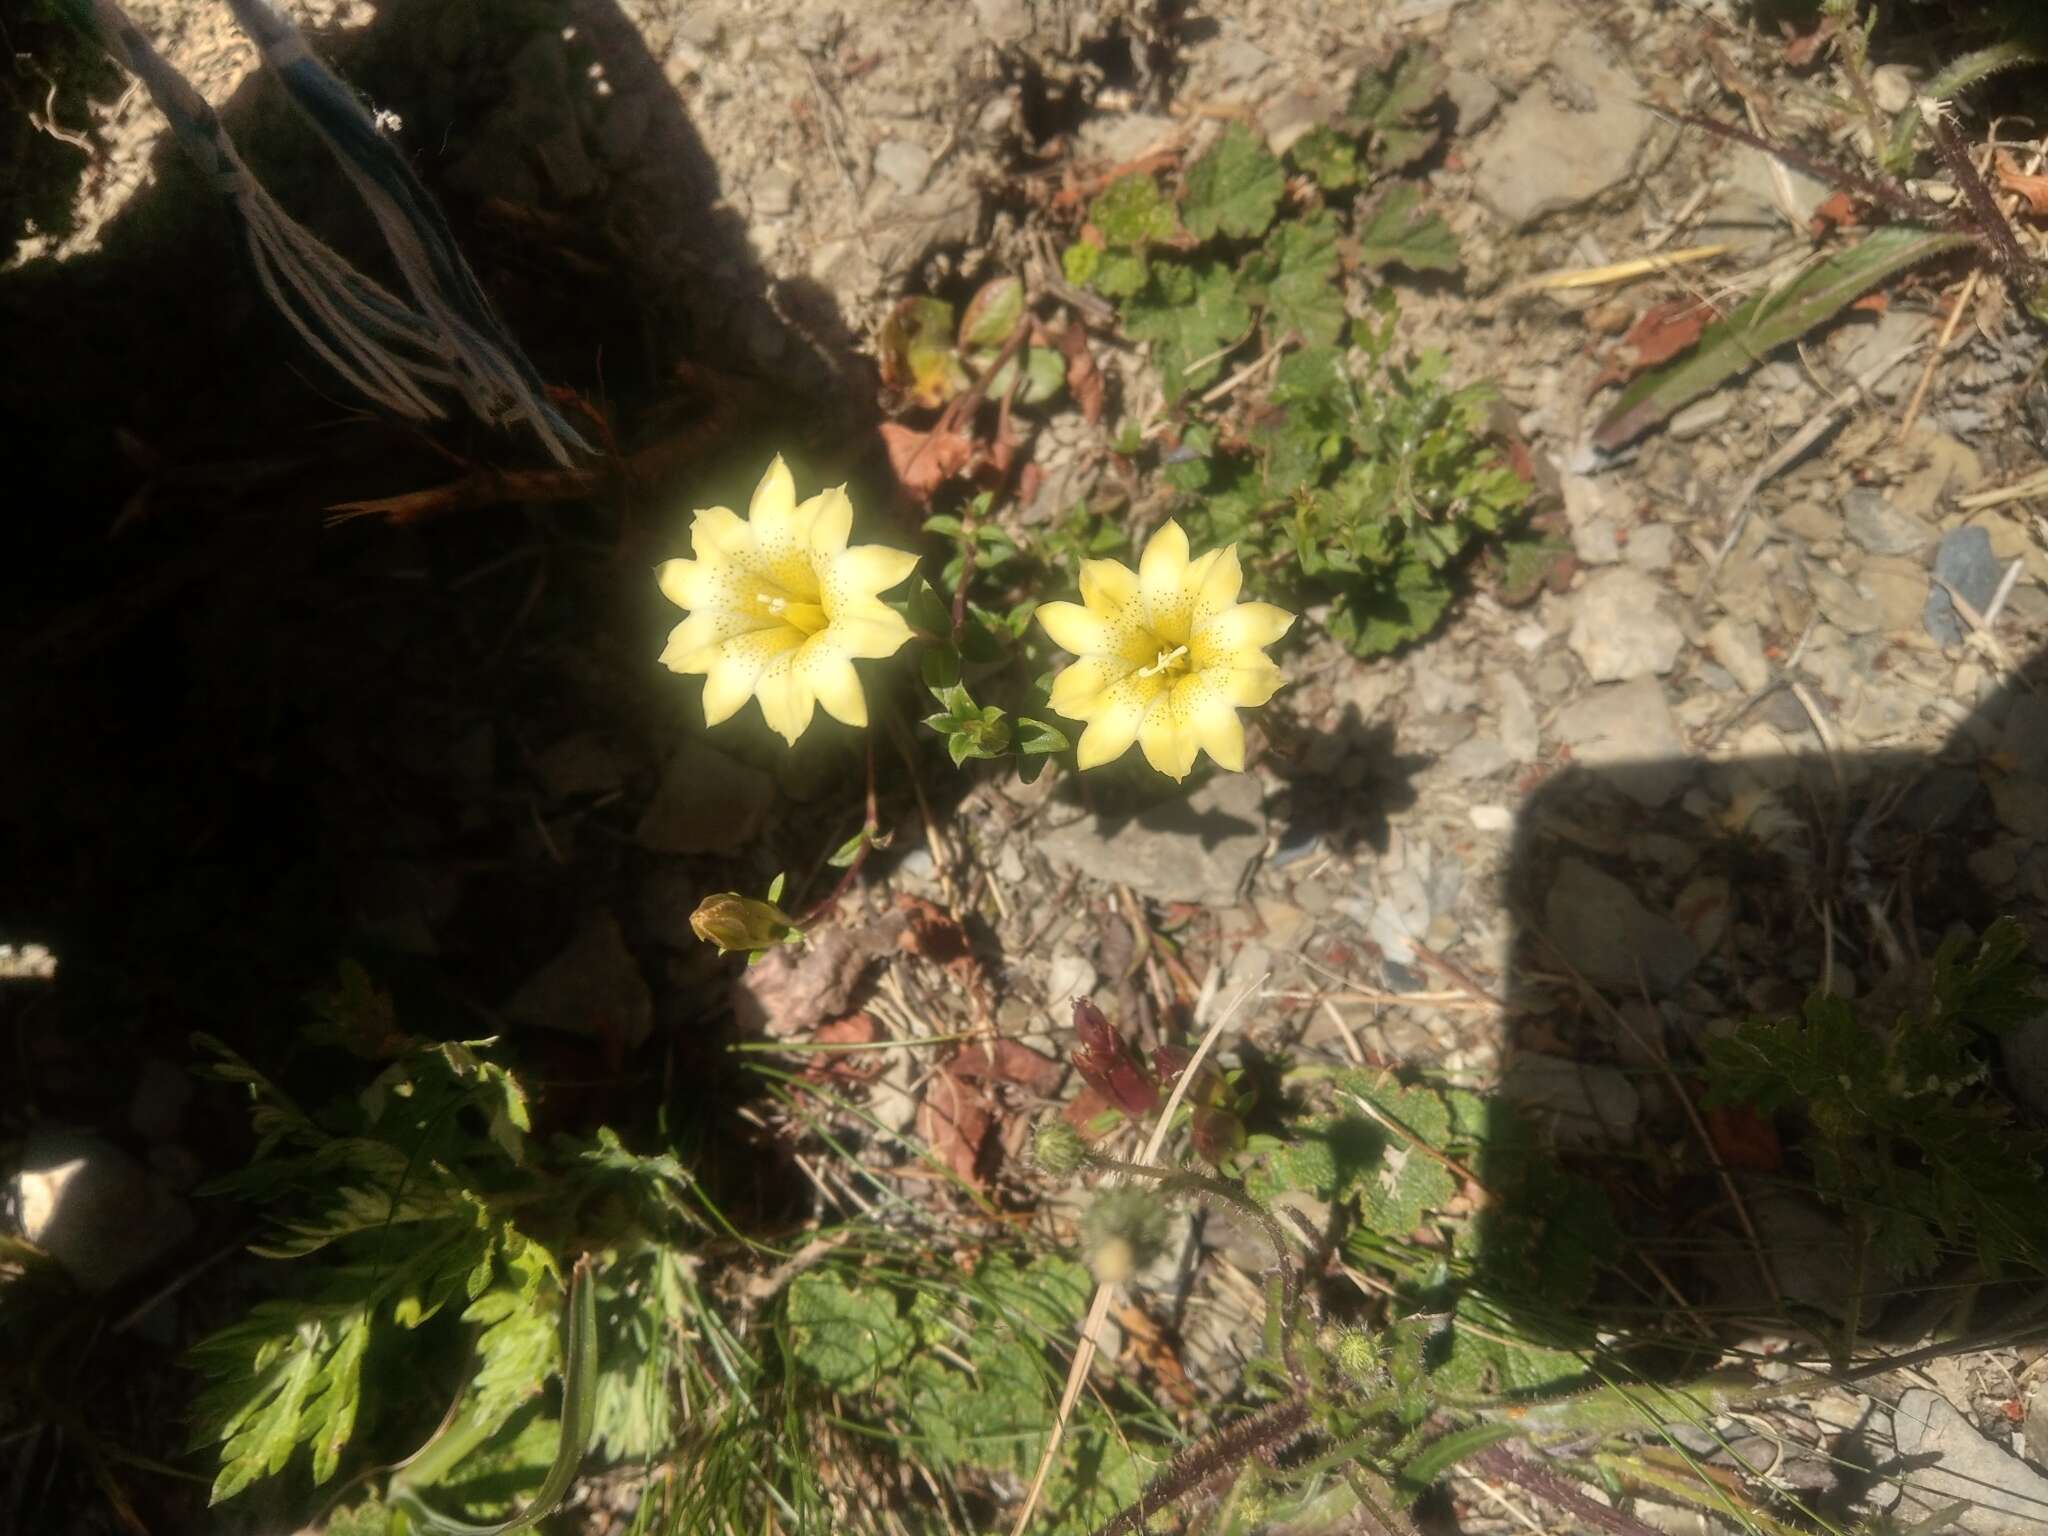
[(780, 606), (1168, 656)]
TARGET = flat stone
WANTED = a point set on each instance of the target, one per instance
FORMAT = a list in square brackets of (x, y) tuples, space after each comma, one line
[(593, 987), (1870, 519), (1737, 645), (1479, 758), (1898, 586), (1965, 562), (707, 803), (1611, 936), (1516, 724), (906, 164), (99, 1213), (1953, 1462), (1848, 609), (1620, 629), (2022, 807), (1565, 140), (1652, 547), (1628, 729), (1580, 1104), (1198, 848), (1702, 416)]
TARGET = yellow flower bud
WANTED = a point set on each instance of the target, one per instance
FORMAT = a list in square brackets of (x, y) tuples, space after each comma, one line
[(736, 922)]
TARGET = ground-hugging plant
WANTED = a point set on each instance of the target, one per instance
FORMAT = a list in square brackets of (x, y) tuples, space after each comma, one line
[(1350, 473)]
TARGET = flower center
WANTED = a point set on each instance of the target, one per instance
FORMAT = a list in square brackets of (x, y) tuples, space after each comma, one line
[(1169, 663), (806, 618)]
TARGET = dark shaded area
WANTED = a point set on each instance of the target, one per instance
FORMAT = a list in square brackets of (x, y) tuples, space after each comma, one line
[(244, 742)]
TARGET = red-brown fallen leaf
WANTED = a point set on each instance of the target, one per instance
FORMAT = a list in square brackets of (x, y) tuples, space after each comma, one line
[(924, 461), (1084, 379), (1146, 1345), (933, 935), (846, 1066), (1661, 333), (1008, 1061), (953, 1118), (794, 989), (1873, 303), (1743, 1138), (1835, 211), (2033, 188), (1802, 51)]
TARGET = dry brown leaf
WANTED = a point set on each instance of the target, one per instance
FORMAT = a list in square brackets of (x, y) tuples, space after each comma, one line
[(1147, 1346), (1009, 1061), (846, 1066), (924, 461), (1084, 379), (2033, 188), (953, 1118)]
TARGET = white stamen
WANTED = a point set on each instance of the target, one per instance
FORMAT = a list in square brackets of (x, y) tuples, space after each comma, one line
[(1166, 659), (774, 605)]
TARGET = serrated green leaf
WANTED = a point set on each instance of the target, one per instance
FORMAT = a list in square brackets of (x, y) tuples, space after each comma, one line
[(1234, 188), (1120, 274), (1079, 261), (1394, 235), (1748, 335), (1391, 102), (1328, 156), (848, 1339), (1295, 275), (1131, 211), (1193, 315), (517, 1351)]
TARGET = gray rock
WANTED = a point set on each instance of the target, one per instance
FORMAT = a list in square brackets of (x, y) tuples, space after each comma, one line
[(2006, 1497), (1565, 141), (1474, 99), (1579, 1103), (1702, 416), (1870, 519), (1619, 628), (1628, 729), (1600, 926), (1964, 560), (773, 192), (2022, 807), (592, 988), (94, 1209), (707, 803), (1479, 758), (1738, 646), (1517, 724), (1652, 547), (1898, 586), (905, 164), (1810, 1252), (1851, 611), (1198, 849)]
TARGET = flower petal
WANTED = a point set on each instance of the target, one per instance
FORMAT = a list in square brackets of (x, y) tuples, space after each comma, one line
[(853, 576), (1107, 586), (829, 516), (1113, 724), (873, 630), (1077, 689), (830, 676), (1217, 730), (716, 531), (1162, 581), (1221, 582), (786, 698), (1232, 634), (1251, 685), (1077, 629), (774, 498), (678, 582), (696, 643), (735, 672), (1165, 738)]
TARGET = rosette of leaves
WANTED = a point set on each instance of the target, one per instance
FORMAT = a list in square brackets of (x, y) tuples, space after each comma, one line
[(1352, 475)]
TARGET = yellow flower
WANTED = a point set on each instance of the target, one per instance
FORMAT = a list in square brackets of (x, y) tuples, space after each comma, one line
[(1168, 656), (780, 606)]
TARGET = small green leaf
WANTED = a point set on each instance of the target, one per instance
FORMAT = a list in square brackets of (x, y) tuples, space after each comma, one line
[(992, 314), (1393, 235), (1035, 736), (1045, 375), (1328, 156), (1234, 188), (1194, 315), (1392, 101), (1294, 274), (844, 855), (1122, 273), (1131, 212), (1079, 261), (848, 1339), (775, 885)]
